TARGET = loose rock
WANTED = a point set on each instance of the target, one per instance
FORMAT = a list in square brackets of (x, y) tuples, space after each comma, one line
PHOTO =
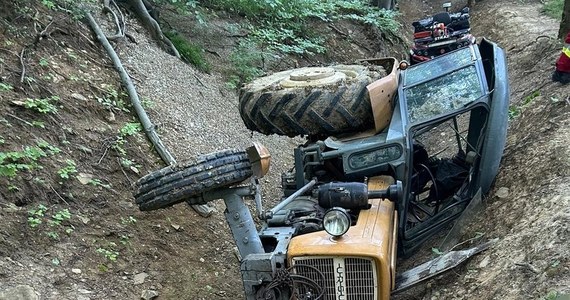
[(502, 193), (21, 292), (149, 294), (139, 278)]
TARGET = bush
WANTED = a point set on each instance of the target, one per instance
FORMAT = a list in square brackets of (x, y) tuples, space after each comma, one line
[(191, 53), (283, 25), (554, 8), (246, 63)]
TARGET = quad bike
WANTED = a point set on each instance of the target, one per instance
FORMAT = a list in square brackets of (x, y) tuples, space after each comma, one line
[(440, 34), (394, 155)]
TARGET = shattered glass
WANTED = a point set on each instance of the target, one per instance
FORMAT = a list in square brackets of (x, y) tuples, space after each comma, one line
[(445, 94), (439, 66)]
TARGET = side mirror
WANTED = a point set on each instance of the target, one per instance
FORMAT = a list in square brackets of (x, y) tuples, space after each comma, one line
[(446, 6)]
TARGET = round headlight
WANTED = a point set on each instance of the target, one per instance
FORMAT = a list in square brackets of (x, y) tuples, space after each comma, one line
[(336, 221)]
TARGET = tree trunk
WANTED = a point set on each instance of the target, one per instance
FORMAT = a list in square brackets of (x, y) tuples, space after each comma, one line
[(565, 22)]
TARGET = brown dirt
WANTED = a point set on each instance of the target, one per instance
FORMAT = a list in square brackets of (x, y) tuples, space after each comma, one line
[(188, 257)]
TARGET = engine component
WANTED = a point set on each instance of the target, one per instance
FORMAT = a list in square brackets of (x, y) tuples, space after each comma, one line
[(393, 193), (350, 195)]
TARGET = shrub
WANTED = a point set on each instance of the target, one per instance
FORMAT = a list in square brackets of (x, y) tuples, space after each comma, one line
[(191, 53)]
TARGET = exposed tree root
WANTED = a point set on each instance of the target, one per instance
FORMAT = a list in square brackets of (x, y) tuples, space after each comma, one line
[(119, 23), (23, 65), (142, 13), (149, 128)]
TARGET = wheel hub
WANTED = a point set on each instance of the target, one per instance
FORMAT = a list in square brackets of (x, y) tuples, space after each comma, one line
[(313, 76)]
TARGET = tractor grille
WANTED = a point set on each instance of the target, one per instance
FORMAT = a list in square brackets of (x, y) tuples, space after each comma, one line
[(347, 278)]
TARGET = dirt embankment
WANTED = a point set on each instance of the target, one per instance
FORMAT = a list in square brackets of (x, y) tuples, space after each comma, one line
[(115, 252)]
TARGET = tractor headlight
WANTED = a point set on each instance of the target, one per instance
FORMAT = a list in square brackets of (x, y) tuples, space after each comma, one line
[(336, 221)]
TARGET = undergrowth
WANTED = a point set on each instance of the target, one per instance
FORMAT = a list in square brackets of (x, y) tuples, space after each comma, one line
[(191, 53), (554, 8), (277, 27), (285, 25)]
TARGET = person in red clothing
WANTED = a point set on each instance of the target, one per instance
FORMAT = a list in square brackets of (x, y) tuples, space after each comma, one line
[(562, 72)]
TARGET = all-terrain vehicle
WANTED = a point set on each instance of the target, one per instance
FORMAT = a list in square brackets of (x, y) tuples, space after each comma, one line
[(394, 155), (440, 34)]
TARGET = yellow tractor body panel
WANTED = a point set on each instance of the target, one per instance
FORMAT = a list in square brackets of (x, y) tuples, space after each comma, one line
[(372, 237)]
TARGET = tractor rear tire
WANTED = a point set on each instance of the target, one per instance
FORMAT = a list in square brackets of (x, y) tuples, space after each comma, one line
[(314, 101), (179, 183)]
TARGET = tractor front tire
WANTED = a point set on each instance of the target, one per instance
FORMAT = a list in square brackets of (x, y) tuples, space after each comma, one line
[(179, 183), (313, 101)]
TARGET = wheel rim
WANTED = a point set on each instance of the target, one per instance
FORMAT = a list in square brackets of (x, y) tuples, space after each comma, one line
[(313, 76)]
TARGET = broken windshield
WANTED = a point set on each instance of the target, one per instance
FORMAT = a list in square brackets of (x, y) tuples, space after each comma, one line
[(439, 66), (442, 95)]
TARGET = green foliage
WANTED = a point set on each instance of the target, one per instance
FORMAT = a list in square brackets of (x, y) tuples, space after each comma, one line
[(60, 216), (245, 63), (49, 4), (147, 103), (285, 25), (130, 129), (49, 148), (554, 8), (516, 110), (69, 169), (43, 105), (124, 239), (191, 53), (383, 19), (5, 87), (44, 62), (113, 99), (129, 220), (13, 161), (39, 124), (109, 254), (35, 215), (53, 235), (555, 295), (188, 7), (287, 41), (98, 182), (71, 7)]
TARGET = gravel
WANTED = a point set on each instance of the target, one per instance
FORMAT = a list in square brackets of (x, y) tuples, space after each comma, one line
[(194, 113)]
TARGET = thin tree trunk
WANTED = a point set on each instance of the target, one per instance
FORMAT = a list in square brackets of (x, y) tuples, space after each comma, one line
[(203, 209), (565, 22)]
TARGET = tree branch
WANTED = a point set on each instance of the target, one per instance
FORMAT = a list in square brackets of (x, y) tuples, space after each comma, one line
[(149, 128)]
